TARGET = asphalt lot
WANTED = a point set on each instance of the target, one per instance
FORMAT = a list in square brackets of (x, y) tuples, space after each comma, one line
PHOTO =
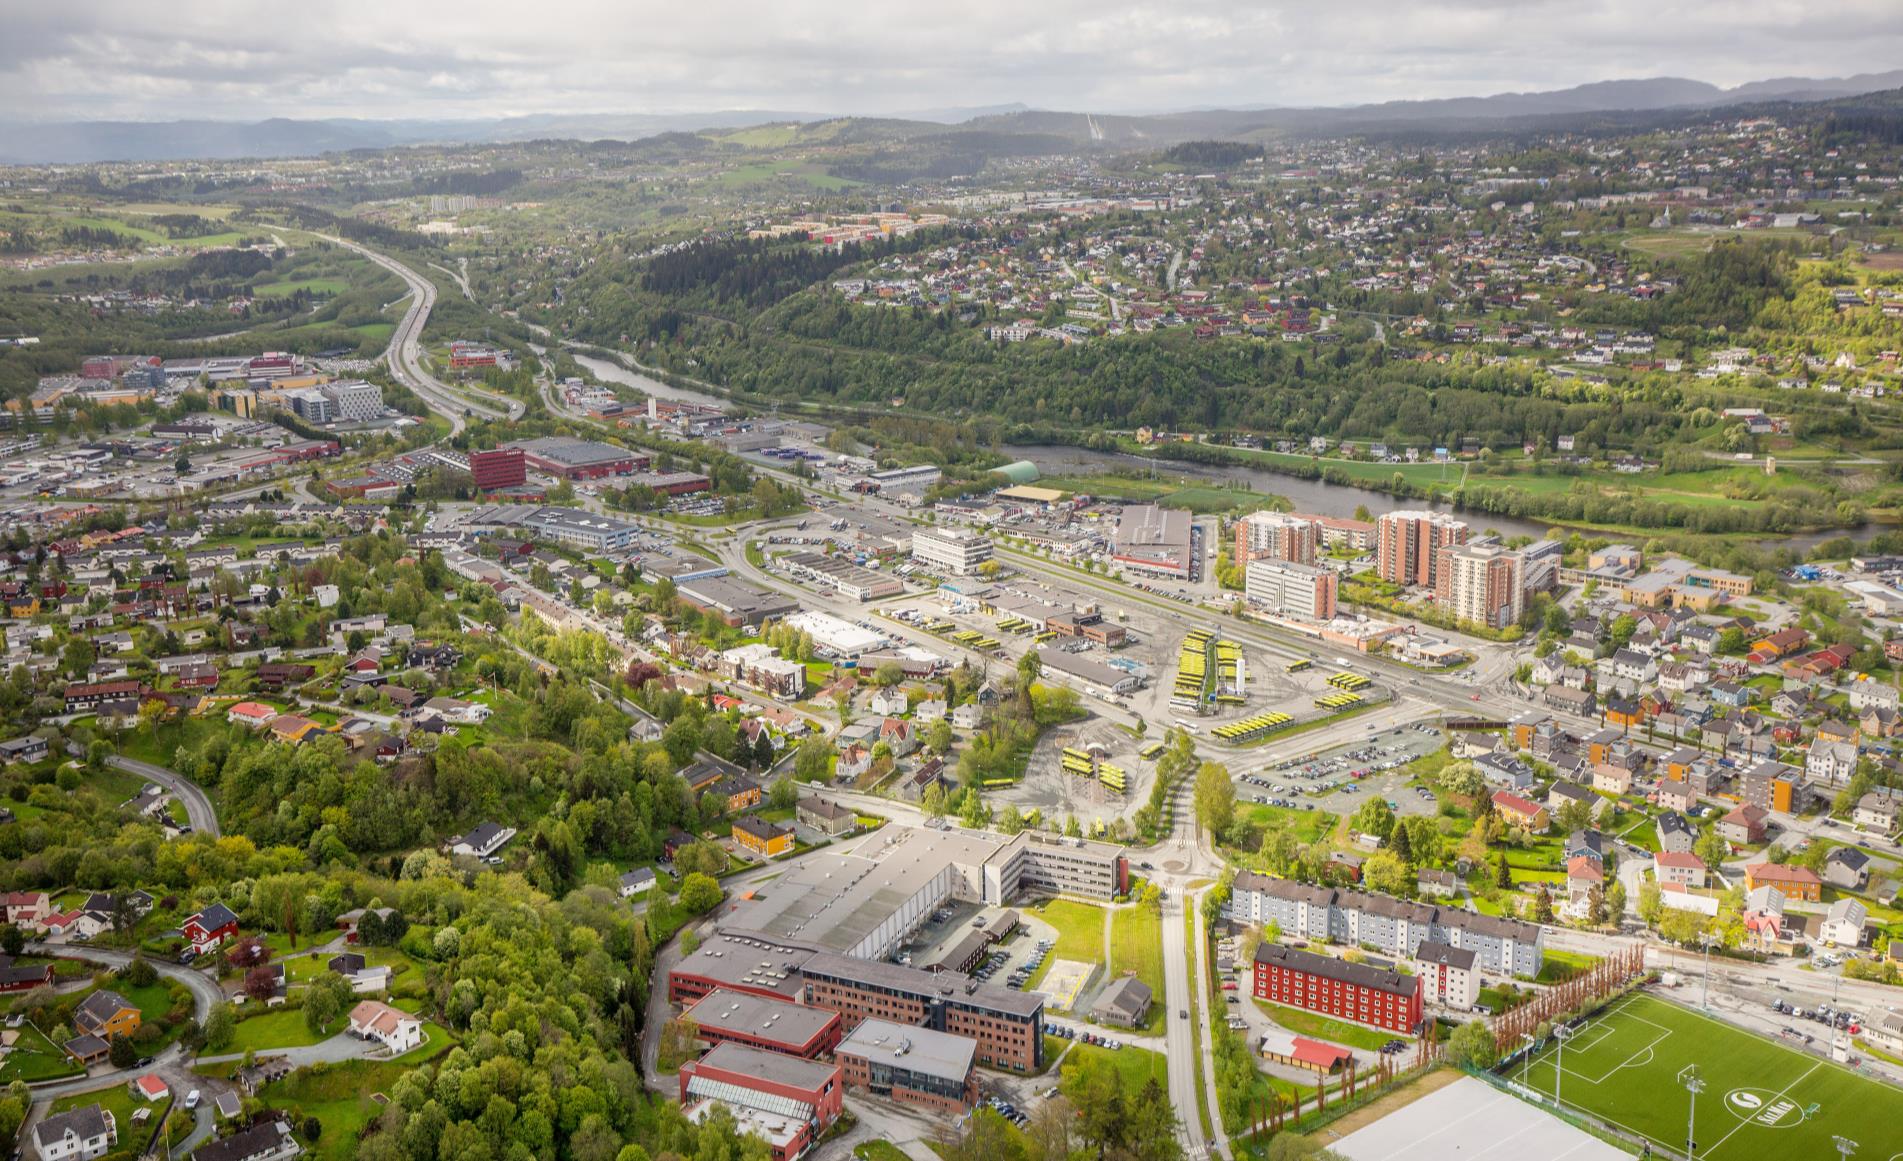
[(1328, 780)]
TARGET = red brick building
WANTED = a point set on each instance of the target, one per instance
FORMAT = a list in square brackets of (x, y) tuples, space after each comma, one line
[(502, 467), (788, 1101), (725, 1016), (1333, 987), (915, 1066)]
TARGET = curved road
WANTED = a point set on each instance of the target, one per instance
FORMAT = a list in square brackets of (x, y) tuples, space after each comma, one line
[(198, 808), (404, 353)]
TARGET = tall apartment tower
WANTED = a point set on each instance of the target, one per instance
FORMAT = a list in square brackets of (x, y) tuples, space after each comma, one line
[(1410, 543), (1275, 536), (1482, 583)]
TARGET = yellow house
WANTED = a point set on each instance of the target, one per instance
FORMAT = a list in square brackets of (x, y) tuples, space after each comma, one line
[(763, 838)]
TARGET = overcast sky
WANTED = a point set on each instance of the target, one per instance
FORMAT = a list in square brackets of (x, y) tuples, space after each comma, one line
[(234, 60)]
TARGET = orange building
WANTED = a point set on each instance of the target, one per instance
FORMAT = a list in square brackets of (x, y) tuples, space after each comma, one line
[(1793, 882), (764, 838)]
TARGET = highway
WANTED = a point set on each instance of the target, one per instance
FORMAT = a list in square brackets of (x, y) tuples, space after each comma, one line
[(405, 352)]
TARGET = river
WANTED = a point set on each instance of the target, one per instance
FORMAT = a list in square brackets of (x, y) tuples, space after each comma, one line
[(1324, 499), (610, 371), (1312, 496)]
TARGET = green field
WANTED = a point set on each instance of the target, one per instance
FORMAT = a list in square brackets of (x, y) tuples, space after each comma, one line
[(313, 285), (1761, 1098), (281, 1028), (1326, 1028), (1136, 1065), (1136, 944), (1079, 933)]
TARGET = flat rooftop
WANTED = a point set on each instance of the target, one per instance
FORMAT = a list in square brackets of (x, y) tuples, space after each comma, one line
[(918, 1049), (576, 453), (742, 1013)]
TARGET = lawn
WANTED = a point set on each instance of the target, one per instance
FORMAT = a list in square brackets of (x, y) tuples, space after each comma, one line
[(1419, 474), (1079, 933), (119, 1101), (1325, 1028), (1136, 944), (1557, 966), (1135, 1065), (278, 1028), (1760, 1099), (339, 1096), (34, 1058)]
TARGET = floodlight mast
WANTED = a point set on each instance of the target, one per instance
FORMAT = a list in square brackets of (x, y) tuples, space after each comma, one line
[(1694, 1083)]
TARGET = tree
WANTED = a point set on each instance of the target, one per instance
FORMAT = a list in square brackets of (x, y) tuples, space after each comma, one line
[(938, 736), (122, 1053), (220, 1025), (1731, 642), (1464, 779), (327, 998), (1576, 815), (784, 795), (1215, 798), (1651, 902), (261, 983), (700, 894), (1373, 817), (1596, 911), (1385, 872), (12, 939), (1471, 1046), (932, 802), (1711, 848), (1502, 877), (1401, 844), (1615, 901), (1680, 926), (1543, 905), (1030, 668), (888, 674)]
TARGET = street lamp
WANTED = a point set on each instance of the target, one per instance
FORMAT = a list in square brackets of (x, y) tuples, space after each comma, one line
[(1526, 1072), (1845, 1146), (1694, 1083)]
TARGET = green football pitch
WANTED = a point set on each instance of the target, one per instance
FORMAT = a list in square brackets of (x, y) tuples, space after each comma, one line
[(1760, 1099)]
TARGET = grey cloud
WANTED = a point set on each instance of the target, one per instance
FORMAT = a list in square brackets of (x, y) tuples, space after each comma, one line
[(430, 58)]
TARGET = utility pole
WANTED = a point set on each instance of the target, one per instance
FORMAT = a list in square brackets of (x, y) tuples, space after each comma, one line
[(1694, 1083)]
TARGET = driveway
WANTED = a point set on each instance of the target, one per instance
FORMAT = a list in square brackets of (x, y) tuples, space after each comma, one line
[(198, 808)]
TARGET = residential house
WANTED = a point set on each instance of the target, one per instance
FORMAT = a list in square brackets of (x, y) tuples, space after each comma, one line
[(1585, 844), (1847, 868), (1676, 795), (1679, 867), (1744, 825), (763, 838), (1831, 762), (1434, 883), (395, 1029), (209, 928), (1517, 811), (1878, 811), (900, 735), (23, 749), (482, 842), (827, 818), (1609, 779), (1792, 881), (106, 1014), (76, 1135), (1583, 875), (1675, 832), (1843, 924), (639, 881), (265, 1141)]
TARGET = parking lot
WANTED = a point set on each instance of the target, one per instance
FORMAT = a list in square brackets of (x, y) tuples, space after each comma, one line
[(1339, 780)]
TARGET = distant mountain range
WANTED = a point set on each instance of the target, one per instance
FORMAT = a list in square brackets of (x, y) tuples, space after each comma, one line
[(74, 142)]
